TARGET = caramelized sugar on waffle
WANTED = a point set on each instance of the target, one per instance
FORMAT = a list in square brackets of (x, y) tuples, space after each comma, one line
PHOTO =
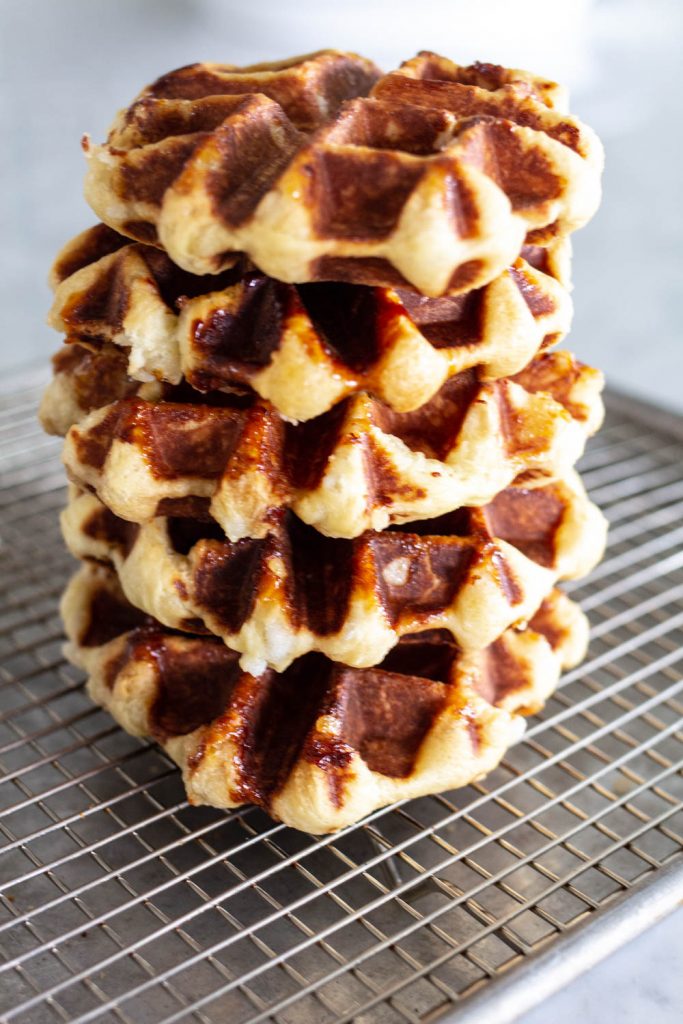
[(320, 745), (473, 573), (360, 466), (304, 347), (433, 180)]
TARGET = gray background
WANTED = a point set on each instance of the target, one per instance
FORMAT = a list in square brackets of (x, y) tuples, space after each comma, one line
[(67, 65)]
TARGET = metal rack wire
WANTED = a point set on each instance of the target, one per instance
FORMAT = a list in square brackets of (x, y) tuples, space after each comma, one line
[(120, 903)]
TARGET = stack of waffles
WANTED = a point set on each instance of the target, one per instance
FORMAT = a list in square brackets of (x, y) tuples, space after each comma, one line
[(319, 444)]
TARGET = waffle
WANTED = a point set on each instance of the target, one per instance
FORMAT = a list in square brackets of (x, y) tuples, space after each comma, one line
[(320, 745), (361, 466), (87, 377), (474, 573), (433, 181), (304, 347)]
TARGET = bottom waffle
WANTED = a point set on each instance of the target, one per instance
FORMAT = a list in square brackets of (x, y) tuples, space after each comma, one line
[(320, 745)]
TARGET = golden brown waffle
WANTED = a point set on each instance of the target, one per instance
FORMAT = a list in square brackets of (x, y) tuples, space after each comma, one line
[(304, 347), (361, 466), (434, 180), (320, 745), (474, 573)]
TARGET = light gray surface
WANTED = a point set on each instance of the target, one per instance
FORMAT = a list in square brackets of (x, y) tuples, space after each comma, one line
[(641, 983), (629, 260)]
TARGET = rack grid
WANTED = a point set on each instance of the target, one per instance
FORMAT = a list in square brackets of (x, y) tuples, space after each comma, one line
[(120, 903)]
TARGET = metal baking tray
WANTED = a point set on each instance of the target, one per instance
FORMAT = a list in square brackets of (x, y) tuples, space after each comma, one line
[(122, 904)]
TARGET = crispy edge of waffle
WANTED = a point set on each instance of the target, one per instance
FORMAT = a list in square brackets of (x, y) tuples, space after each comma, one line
[(359, 467), (451, 217), (294, 592), (329, 773), (116, 296)]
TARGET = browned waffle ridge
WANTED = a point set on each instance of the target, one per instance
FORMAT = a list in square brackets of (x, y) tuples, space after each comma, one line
[(433, 181), (319, 745)]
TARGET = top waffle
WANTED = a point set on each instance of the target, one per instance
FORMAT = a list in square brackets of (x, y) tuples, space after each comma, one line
[(433, 180)]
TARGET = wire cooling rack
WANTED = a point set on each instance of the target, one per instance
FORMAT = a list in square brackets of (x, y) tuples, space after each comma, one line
[(121, 903)]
